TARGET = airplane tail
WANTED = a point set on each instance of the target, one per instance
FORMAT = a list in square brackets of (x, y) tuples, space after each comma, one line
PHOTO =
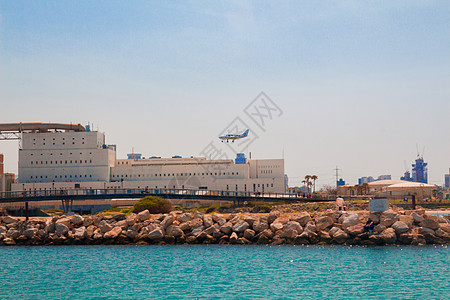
[(245, 133)]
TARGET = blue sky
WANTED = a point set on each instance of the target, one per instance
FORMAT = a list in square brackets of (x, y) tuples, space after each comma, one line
[(360, 83)]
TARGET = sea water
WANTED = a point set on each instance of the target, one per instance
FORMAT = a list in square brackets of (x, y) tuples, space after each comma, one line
[(224, 272)]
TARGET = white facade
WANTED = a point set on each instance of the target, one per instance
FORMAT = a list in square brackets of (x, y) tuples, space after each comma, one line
[(67, 160), (64, 157)]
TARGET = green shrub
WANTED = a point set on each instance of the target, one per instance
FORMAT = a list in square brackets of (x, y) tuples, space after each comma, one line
[(264, 208), (155, 205), (54, 210)]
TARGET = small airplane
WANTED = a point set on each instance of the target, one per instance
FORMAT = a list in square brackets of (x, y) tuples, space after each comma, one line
[(233, 137)]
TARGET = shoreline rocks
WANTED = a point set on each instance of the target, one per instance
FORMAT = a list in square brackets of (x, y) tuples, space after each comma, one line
[(302, 228)]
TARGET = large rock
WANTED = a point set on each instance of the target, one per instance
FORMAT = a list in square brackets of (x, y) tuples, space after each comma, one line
[(156, 234), (30, 232), (261, 224), (250, 220), (388, 218), (323, 222), (241, 226), (273, 216), (355, 229), (208, 221), (144, 215), (416, 217), (388, 236), (186, 226), (131, 219), (293, 225), (227, 228), (221, 221), (276, 226), (407, 219), (77, 220), (426, 230), (80, 233), (113, 233), (9, 220), (400, 227), (185, 217), (119, 216), (303, 218), (168, 220), (445, 227), (282, 219), (13, 233), (350, 220), (375, 217), (197, 222), (105, 226), (249, 234), (429, 223), (233, 238), (289, 234), (61, 229), (66, 221), (311, 227), (340, 236)]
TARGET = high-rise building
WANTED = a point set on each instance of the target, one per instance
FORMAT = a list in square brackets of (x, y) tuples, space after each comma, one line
[(406, 176), (420, 171), (341, 182), (447, 180), (365, 180), (384, 177)]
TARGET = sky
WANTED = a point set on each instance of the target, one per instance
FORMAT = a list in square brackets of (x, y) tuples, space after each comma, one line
[(363, 86)]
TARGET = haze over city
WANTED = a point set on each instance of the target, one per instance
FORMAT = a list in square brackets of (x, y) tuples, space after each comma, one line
[(360, 87)]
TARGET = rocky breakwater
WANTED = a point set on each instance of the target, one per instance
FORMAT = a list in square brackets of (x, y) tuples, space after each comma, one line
[(402, 227)]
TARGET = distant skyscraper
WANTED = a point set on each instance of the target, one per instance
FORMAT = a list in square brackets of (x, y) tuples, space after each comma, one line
[(420, 171), (365, 180), (406, 176), (384, 177), (341, 182), (447, 180)]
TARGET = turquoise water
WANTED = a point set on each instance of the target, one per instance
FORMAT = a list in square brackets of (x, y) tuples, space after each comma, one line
[(224, 272)]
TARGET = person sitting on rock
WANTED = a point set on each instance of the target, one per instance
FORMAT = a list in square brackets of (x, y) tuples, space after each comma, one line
[(369, 225)]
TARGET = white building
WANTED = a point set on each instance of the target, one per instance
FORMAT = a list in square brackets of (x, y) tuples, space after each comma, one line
[(81, 159)]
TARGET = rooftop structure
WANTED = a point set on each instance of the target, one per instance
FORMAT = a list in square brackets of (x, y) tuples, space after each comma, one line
[(420, 171)]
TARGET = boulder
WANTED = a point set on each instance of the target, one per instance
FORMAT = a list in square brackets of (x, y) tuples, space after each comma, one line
[(276, 226), (302, 239), (186, 226), (227, 228), (333, 231), (426, 230), (77, 220), (9, 241), (221, 221), (105, 226), (131, 219), (144, 215), (61, 229), (445, 227), (176, 231), (323, 222), (388, 236), (282, 219), (113, 233), (400, 227), (303, 218), (293, 225), (30, 232), (65, 221), (261, 225), (233, 238), (250, 220), (416, 217), (198, 215), (119, 216), (156, 234), (168, 220), (340, 236), (131, 234), (122, 224), (443, 219), (210, 230), (429, 223), (273, 216), (324, 236), (80, 233), (9, 220), (235, 219), (289, 234), (197, 222), (208, 221), (350, 220), (406, 238), (388, 218), (3, 229), (355, 229), (311, 227), (197, 230), (375, 217), (379, 229), (249, 234), (13, 233), (241, 226), (185, 217), (407, 219)]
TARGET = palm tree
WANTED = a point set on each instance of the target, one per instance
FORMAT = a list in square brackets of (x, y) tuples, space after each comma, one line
[(308, 178), (314, 178)]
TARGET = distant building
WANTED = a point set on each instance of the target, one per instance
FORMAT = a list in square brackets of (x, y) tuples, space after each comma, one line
[(384, 177), (406, 176), (447, 180), (365, 180), (420, 171), (6, 179), (341, 182)]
